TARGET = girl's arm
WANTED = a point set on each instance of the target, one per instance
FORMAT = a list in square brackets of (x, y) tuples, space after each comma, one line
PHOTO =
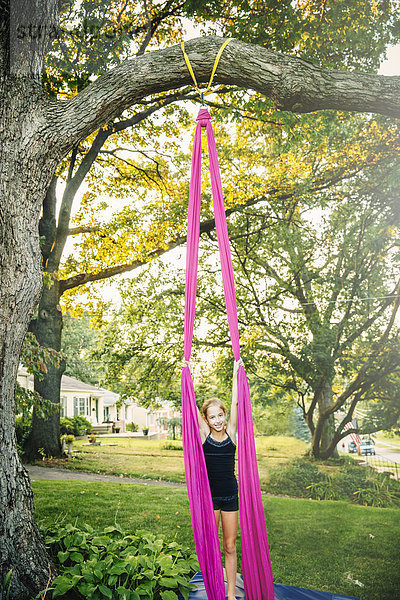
[(232, 424)]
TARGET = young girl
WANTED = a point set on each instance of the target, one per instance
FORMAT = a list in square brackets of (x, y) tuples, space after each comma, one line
[(219, 444)]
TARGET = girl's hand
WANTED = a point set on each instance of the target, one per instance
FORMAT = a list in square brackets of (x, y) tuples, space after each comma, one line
[(236, 365)]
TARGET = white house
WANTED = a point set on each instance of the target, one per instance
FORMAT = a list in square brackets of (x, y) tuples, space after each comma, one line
[(99, 406)]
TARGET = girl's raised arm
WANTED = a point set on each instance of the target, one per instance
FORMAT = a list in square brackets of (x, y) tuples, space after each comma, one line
[(232, 424)]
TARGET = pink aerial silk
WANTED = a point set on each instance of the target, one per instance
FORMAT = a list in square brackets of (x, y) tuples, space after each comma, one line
[(256, 563)]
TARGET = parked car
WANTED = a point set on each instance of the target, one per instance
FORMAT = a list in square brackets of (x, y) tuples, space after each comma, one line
[(352, 448), (367, 447)]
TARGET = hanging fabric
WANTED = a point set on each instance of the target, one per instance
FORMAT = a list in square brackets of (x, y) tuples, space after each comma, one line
[(256, 563)]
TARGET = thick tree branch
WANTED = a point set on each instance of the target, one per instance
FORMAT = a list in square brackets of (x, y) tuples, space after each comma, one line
[(292, 83), (83, 229)]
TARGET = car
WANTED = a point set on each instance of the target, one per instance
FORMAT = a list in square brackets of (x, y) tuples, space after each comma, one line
[(352, 448), (367, 447)]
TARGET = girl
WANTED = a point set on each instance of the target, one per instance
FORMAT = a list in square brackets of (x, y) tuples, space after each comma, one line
[(219, 444)]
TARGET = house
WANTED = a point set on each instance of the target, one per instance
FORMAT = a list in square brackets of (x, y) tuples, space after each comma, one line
[(101, 407)]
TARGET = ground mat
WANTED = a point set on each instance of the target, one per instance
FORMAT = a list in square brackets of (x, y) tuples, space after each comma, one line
[(282, 592)]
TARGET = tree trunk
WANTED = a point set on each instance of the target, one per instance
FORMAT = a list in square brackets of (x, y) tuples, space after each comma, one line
[(325, 429), (47, 327), (23, 181)]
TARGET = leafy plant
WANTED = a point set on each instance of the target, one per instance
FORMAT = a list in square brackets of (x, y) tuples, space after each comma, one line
[(323, 490), (378, 491), (359, 484), (294, 478), (76, 425), (132, 427), (36, 359), (116, 564), (5, 586)]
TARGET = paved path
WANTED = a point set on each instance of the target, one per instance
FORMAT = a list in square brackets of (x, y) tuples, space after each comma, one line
[(389, 452), (36, 472)]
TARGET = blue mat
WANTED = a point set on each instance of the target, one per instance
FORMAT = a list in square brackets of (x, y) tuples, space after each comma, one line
[(282, 592)]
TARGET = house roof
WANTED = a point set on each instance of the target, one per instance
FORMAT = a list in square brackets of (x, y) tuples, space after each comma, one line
[(70, 384)]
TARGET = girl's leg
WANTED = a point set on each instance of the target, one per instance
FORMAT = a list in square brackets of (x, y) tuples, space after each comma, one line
[(217, 514), (229, 532)]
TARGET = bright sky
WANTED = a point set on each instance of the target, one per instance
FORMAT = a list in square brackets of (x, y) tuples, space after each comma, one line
[(391, 66)]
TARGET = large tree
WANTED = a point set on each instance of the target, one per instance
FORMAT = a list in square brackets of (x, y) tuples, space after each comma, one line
[(37, 131)]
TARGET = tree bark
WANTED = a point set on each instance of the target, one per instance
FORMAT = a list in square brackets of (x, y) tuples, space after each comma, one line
[(47, 327), (23, 181), (324, 431)]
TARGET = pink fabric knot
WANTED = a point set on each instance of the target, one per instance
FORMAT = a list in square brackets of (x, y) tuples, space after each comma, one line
[(203, 117)]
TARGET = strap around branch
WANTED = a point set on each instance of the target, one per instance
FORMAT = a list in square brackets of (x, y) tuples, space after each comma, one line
[(189, 66)]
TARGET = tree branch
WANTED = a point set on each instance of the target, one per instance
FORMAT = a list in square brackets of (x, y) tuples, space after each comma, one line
[(292, 83)]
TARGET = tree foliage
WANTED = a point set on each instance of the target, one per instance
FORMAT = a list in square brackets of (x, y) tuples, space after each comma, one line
[(316, 264), (35, 359)]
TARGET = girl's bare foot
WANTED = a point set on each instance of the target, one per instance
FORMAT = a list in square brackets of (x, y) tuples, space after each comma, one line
[(231, 597)]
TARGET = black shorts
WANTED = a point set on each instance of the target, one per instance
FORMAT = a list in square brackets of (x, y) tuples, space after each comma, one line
[(226, 503)]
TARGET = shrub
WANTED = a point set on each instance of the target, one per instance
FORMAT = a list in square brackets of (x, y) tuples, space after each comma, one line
[(132, 427), (378, 490), (77, 425), (22, 429), (294, 478), (323, 490), (357, 483), (171, 446), (113, 564)]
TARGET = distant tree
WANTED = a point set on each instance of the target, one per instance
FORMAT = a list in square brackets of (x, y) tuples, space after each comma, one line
[(79, 338), (383, 406)]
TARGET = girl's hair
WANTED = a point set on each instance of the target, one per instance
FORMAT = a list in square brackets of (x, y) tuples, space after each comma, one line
[(213, 402)]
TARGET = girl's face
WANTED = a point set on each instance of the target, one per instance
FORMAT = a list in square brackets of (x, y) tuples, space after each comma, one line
[(216, 418)]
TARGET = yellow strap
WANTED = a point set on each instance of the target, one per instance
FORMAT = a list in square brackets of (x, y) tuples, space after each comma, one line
[(216, 63), (189, 66)]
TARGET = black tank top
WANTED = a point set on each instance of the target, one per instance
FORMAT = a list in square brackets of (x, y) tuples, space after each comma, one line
[(220, 462)]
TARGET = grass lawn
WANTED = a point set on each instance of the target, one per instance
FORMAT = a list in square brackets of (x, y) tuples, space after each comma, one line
[(384, 437), (319, 545), (135, 457)]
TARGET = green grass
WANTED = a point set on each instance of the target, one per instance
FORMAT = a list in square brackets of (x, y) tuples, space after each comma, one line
[(133, 457), (388, 439), (318, 545)]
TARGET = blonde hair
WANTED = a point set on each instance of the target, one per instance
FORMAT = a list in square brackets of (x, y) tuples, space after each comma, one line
[(213, 402)]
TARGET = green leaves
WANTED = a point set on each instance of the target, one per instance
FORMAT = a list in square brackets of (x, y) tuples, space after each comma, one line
[(168, 595), (117, 565)]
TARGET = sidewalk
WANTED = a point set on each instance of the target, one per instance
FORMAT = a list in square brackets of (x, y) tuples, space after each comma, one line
[(36, 472)]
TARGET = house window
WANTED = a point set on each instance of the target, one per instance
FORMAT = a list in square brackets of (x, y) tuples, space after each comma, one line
[(81, 407), (63, 406), (106, 414)]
